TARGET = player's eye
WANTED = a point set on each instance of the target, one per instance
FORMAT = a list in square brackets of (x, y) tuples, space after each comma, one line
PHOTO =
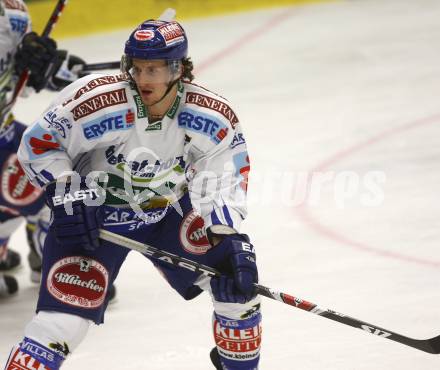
[(152, 70), (135, 70)]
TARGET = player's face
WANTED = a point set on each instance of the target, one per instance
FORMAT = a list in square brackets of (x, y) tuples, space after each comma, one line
[(152, 78)]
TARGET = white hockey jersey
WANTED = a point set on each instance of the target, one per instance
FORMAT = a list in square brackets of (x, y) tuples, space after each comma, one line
[(99, 123), (14, 23)]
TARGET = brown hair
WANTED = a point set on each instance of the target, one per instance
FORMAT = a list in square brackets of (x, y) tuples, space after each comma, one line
[(187, 69)]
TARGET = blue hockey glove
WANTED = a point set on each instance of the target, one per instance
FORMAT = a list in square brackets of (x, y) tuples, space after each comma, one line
[(37, 54), (235, 257), (75, 221)]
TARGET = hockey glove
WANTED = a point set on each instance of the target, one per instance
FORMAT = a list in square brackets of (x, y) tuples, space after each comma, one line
[(235, 257), (77, 215), (37, 54), (66, 70)]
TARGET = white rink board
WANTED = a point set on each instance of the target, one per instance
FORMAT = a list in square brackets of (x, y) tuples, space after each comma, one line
[(312, 85)]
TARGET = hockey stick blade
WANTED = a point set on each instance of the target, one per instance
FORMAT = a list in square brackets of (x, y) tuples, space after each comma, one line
[(168, 15), (426, 345), (434, 343)]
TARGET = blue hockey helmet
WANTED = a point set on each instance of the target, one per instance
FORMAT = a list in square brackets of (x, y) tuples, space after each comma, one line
[(154, 39)]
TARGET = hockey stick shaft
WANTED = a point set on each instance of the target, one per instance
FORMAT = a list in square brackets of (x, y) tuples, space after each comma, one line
[(59, 7), (21, 83), (100, 66), (427, 345)]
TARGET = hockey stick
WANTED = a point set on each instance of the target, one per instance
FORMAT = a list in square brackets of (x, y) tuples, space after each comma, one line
[(427, 345), (100, 66), (167, 15), (21, 83)]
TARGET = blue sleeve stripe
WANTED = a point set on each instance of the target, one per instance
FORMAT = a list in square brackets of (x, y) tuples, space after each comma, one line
[(47, 176), (41, 183), (227, 216), (214, 218), (28, 168)]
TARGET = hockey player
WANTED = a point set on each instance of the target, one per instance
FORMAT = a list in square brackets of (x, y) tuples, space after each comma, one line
[(149, 155), (22, 49)]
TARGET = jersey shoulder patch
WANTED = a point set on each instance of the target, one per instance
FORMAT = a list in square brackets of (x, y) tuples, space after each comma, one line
[(89, 85), (201, 97), (96, 105)]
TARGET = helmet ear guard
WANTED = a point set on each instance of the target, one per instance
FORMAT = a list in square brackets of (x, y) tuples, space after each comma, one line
[(176, 68)]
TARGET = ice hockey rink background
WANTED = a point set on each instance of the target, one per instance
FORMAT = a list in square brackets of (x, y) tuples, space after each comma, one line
[(342, 90)]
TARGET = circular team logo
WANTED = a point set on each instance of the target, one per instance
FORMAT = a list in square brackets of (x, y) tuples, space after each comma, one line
[(78, 281), (16, 187), (192, 234), (144, 35)]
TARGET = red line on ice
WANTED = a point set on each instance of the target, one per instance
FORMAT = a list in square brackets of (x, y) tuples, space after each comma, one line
[(302, 210), (319, 227), (255, 33)]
